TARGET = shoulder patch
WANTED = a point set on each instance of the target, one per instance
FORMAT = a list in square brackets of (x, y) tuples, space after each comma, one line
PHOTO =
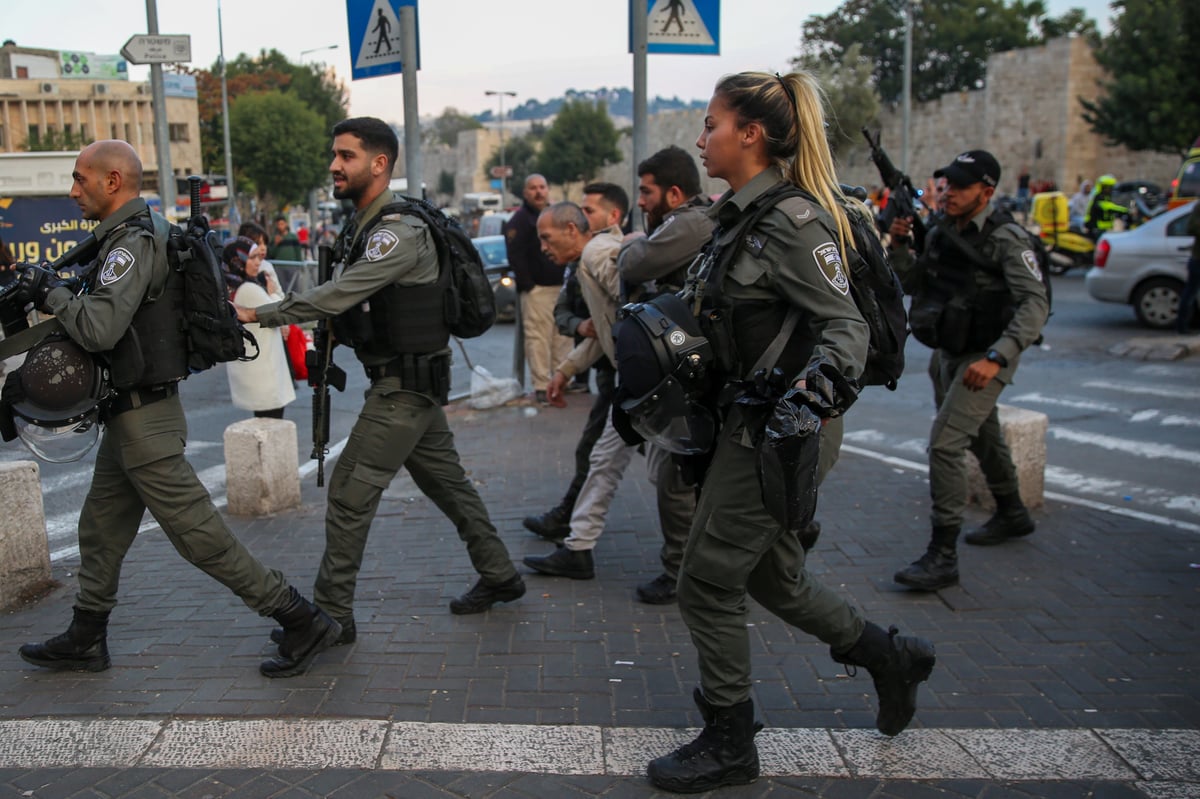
[(1029, 257), (116, 265), (797, 209), (380, 244), (829, 261), (666, 223)]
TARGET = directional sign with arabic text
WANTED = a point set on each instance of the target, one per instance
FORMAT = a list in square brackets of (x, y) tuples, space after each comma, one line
[(146, 49)]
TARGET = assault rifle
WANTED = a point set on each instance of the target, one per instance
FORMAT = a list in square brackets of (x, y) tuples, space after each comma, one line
[(322, 372), (902, 197)]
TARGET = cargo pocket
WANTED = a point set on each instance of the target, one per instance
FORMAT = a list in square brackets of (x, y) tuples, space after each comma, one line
[(726, 551)]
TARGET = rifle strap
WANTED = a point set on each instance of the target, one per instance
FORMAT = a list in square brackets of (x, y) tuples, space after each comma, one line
[(24, 341)]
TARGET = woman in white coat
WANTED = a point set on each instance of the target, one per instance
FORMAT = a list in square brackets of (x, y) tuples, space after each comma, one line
[(263, 385)]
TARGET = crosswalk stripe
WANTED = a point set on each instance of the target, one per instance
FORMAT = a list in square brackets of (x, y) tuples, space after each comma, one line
[(1160, 759), (1140, 388), (1142, 449)]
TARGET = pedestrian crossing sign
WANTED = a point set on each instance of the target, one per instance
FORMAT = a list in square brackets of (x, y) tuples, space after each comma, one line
[(684, 27), (374, 27)]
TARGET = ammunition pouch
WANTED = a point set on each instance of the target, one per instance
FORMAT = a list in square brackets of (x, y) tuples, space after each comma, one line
[(421, 374)]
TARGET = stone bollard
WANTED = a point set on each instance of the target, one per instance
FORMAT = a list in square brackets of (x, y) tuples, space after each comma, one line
[(261, 475), (1025, 433), (24, 549)]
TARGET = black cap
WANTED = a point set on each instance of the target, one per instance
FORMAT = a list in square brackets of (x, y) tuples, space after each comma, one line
[(973, 166)]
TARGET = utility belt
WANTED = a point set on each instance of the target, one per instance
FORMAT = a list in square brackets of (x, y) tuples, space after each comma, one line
[(422, 374), (134, 398)]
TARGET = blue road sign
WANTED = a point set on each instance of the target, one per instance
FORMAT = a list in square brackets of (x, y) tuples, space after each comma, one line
[(688, 27), (374, 27)]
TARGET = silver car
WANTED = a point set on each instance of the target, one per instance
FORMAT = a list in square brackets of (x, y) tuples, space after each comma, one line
[(1145, 267)]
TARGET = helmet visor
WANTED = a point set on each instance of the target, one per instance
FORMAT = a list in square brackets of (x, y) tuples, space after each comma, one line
[(667, 418), (64, 444)]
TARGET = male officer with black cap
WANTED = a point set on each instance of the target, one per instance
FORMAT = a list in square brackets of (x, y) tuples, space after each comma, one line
[(979, 301)]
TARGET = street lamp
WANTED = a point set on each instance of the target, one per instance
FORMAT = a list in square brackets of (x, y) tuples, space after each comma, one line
[(230, 184), (503, 163), (317, 50)]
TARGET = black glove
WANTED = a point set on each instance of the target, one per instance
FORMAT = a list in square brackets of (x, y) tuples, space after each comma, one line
[(35, 283), (825, 391), (757, 397)]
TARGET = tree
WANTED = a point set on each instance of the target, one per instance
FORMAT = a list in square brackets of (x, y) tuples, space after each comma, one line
[(581, 140), (1151, 97), (520, 153), (270, 70), (451, 123), (951, 40), (445, 183), (56, 141), (281, 144), (851, 101)]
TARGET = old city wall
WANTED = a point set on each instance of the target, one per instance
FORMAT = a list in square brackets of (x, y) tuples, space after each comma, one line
[(1028, 115)]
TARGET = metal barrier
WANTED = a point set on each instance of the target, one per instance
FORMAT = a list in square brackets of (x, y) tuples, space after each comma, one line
[(296, 276)]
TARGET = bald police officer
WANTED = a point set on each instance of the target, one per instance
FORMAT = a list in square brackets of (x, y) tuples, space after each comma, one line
[(978, 299), (127, 314), (381, 306)]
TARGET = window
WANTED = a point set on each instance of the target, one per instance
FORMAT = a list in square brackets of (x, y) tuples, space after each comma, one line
[(35, 135), (2, 136), (23, 73), (177, 131)]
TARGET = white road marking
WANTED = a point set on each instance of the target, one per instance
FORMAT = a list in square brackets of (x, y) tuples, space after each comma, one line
[(1160, 760), (1142, 449), (1151, 391), (1042, 399)]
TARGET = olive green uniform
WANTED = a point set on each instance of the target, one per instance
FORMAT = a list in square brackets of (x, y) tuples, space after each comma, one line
[(397, 427), (140, 464), (736, 548), (969, 419)]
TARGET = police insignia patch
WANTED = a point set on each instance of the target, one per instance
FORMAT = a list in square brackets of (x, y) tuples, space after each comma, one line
[(382, 242), (1031, 263), (829, 261), (116, 266)]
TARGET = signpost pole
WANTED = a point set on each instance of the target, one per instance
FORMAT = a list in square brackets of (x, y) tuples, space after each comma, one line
[(412, 121), (162, 141), (641, 119)]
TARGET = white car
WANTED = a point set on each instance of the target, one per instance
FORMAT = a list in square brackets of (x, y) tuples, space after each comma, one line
[(1145, 267)]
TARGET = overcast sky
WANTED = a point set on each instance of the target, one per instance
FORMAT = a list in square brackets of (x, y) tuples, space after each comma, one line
[(537, 48)]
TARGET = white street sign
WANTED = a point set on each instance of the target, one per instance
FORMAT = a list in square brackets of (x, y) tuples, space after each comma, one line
[(145, 49)]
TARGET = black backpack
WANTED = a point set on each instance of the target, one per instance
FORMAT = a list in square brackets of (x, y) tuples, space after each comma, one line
[(209, 320), (469, 303), (873, 285)]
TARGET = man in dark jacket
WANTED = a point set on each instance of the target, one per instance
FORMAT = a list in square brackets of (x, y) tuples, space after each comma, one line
[(538, 282)]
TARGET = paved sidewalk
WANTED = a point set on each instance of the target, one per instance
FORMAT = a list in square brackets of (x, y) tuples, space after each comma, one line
[(1068, 664)]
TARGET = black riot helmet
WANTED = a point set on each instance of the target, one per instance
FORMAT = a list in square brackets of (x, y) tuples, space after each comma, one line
[(665, 364), (54, 399)]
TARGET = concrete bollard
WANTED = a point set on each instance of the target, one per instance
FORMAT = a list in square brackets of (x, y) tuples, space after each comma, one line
[(261, 475), (1025, 433), (24, 548)]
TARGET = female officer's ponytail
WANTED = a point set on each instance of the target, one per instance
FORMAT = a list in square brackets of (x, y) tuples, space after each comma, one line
[(789, 109)]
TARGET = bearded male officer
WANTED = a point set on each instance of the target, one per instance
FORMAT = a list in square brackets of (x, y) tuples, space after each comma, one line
[(381, 303), (127, 314)]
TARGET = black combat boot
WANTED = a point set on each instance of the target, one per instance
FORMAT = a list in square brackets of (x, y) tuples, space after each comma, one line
[(83, 647), (307, 631), (483, 595), (938, 567), (554, 524), (348, 635), (723, 754), (1011, 520), (897, 664)]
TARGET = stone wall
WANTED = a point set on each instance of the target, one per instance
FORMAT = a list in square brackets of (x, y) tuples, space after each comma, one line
[(1028, 116)]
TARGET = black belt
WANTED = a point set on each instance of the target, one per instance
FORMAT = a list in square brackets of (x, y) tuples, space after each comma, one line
[(391, 369), (140, 398), (423, 374)]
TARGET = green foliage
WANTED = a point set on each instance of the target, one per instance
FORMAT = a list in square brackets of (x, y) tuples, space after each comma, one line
[(1151, 98), (51, 141), (951, 40), (280, 144), (452, 122), (851, 101), (445, 183), (580, 141), (521, 153)]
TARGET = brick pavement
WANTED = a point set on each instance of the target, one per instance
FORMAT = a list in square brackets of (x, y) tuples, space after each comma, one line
[(1085, 630)]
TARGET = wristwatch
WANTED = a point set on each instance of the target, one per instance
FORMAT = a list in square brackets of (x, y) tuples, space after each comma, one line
[(997, 358)]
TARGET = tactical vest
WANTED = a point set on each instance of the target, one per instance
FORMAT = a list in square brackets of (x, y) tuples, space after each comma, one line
[(396, 320), (972, 310), (153, 351)]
